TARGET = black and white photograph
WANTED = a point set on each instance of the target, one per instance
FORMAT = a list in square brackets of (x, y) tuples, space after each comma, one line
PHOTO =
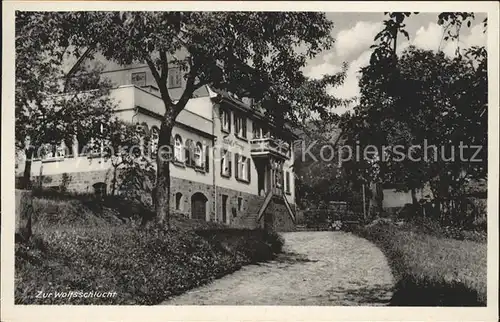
[(250, 157)]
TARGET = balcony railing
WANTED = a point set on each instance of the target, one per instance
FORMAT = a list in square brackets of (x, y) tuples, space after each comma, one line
[(266, 146)]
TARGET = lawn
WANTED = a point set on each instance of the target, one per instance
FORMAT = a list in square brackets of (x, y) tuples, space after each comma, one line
[(431, 270), (80, 247)]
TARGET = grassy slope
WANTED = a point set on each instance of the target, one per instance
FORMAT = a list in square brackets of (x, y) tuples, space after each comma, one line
[(430, 270), (76, 248)]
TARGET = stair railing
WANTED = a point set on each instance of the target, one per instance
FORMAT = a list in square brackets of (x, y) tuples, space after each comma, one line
[(264, 205), (289, 208)]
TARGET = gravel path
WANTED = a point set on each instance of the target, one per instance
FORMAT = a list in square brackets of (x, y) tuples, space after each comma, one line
[(318, 268)]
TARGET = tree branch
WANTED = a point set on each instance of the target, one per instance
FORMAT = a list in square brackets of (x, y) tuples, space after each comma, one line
[(159, 80), (76, 66), (164, 66), (191, 86)]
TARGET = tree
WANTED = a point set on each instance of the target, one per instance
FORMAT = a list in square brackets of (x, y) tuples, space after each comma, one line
[(51, 105), (131, 150), (316, 165), (424, 95), (252, 54)]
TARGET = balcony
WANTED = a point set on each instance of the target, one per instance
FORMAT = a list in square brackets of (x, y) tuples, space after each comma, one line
[(265, 147)]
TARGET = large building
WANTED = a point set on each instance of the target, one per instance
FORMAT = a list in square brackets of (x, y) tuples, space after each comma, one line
[(238, 171)]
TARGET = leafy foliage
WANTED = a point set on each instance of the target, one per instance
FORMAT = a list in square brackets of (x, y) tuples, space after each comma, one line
[(132, 153), (452, 272), (422, 98), (75, 248), (319, 175), (51, 104)]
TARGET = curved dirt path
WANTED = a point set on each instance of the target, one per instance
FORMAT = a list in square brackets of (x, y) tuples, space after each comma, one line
[(319, 268)]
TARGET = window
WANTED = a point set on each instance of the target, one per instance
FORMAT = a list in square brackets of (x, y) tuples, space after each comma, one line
[(287, 182), (142, 132), (68, 143), (225, 120), (240, 203), (96, 147), (139, 79), (82, 141), (225, 169), (259, 132), (242, 168), (189, 153), (198, 155), (178, 201), (178, 149), (100, 189), (256, 131), (240, 126), (47, 151), (155, 138), (174, 77), (60, 150)]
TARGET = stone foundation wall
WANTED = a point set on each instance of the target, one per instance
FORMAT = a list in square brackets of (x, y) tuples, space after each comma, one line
[(188, 189), (244, 216), (277, 216), (242, 208), (77, 181)]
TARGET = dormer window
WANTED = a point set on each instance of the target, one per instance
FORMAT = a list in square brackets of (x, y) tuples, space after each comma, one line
[(174, 77), (225, 117), (259, 132), (240, 126), (139, 79)]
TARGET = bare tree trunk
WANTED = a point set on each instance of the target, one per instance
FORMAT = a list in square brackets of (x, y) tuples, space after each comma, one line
[(26, 183), (379, 198), (414, 196), (113, 188), (162, 190)]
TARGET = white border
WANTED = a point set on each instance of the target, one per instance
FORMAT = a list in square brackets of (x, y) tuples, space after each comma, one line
[(11, 312)]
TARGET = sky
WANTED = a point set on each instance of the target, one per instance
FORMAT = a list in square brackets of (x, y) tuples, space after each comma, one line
[(354, 34)]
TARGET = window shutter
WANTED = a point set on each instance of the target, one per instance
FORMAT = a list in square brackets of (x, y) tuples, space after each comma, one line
[(236, 164), (248, 169), (192, 150), (221, 162), (229, 120), (221, 115), (229, 162), (187, 155), (207, 158)]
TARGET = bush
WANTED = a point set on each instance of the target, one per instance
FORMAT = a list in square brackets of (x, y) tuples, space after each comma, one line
[(431, 271), (76, 249), (257, 245), (433, 227)]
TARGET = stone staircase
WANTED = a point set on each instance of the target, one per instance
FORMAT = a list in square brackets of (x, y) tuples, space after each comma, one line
[(259, 206), (249, 220)]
